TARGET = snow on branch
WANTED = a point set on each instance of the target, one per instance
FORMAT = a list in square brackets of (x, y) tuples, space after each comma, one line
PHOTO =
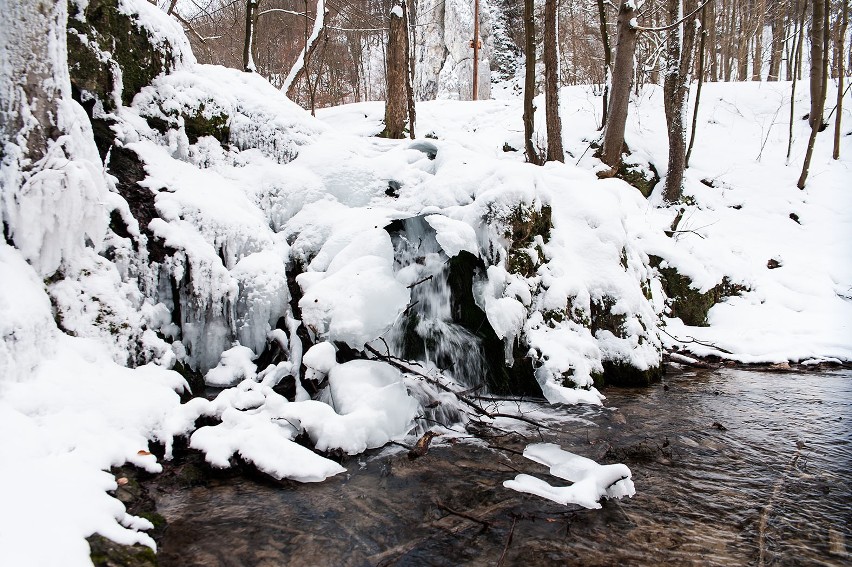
[(299, 66)]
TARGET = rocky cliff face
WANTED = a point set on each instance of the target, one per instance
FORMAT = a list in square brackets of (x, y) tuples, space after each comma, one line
[(442, 51)]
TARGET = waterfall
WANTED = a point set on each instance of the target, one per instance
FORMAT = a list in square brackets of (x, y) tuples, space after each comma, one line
[(427, 332)]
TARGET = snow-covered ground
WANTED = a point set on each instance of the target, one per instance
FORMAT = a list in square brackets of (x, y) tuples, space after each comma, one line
[(319, 192)]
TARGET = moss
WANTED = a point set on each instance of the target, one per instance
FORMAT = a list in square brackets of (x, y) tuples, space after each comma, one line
[(523, 226), (603, 319), (686, 302), (638, 177), (107, 553), (196, 125), (128, 46), (625, 375)]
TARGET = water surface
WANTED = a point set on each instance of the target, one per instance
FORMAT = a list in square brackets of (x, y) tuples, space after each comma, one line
[(731, 467)]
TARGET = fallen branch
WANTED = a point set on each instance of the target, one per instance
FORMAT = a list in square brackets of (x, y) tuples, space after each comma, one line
[(479, 410), (508, 543), (462, 514), (696, 341), (418, 282)]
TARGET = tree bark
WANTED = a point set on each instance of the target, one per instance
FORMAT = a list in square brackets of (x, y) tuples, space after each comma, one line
[(551, 84), (823, 88), (757, 63), (622, 80), (796, 71), (818, 55), (777, 51), (409, 60), (676, 93), (607, 60), (396, 94), (844, 24), (248, 60), (701, 48), (529, 81), (300, 67)]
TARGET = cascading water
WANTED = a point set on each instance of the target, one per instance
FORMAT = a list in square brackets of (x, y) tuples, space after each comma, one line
[(426, 333)]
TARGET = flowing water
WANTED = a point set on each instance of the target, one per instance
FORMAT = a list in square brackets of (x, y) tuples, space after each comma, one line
[(732, 467), (427, 332)]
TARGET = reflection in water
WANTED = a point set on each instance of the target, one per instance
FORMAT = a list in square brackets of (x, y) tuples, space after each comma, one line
[(730, 466)]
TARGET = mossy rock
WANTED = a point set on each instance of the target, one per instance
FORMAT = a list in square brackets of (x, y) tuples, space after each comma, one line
[(106, 553), (523, 225), (196, 125), (603, 319), (637, 177), (128, 46), (625, 375), (686, 302)]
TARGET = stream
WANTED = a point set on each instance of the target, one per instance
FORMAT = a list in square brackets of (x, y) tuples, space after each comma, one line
[(731, 467)]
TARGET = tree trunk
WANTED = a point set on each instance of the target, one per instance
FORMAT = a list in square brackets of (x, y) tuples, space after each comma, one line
[(701, 48), (622, 80), (823, 88), (607, 60), (757, 63), (818, 55), (248, 60), (300, 67), (396, 93), (551, 84), (777, 51), (796, 71), (529, 81), (714, 65), (409, 59), (844, 19), (676, 92)]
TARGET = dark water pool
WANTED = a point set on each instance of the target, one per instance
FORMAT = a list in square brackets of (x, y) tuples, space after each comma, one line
[(731, 467)]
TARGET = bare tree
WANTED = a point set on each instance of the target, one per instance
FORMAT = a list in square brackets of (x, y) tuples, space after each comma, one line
[(398, 78), (820, 12), (248, 60), (551, 84), (841, 40), (795, 69), (676, 95), (701, 57), (607, 60), (818, 31), (622, 80), (529, 81)]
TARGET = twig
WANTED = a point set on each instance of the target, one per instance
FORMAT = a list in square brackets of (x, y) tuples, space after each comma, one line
[(462, 514), (418, 282), (508, 543), (393, 361), (499, 448), (674, 25), (696, 341)]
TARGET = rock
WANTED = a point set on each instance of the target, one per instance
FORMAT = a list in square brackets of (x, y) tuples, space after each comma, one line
[(686, 302)]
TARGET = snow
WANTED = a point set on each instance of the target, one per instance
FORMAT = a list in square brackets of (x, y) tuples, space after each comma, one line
[(235, 366), (591, 481), (454, 236), (91, 324)]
